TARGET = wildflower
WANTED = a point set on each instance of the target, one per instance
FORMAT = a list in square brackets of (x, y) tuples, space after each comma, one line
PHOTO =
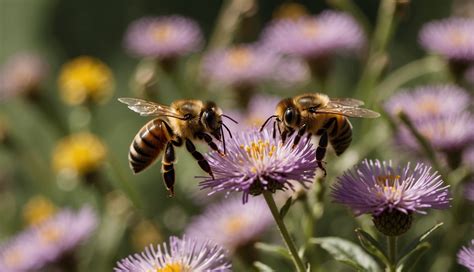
[(47, 242), (429, 101), (290, 72), (231, 224), (37, 210), (22, 74), (466, 256), (180, 255), (312, 37), (79, 154), (164, 37), (391, 195), (241, 66), (85, 79), (257, 162), (451, 38)]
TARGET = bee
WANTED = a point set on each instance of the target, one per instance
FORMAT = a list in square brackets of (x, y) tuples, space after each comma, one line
[(180, 123), (316, 113)]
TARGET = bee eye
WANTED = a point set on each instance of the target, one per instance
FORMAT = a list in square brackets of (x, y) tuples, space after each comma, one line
[(209, 118), (290, 116)]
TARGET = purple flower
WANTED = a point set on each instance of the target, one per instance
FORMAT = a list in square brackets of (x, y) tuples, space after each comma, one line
[(429, 101), (22, 73), (48, 241), (180, 255), (257, 162), (374, 187), (240, 66), (291, 72), (231, 224), (163, 37), (466, 256), (315, 36), (451, 38)]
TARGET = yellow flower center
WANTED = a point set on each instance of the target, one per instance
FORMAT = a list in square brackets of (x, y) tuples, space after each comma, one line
[(162, 32), (13, 257), (37, 210), (310, 29), (458, 38), (429, 106), (388, 184), (258, 151), (240, 57), (173, 267), (50, 234), (234, 225)]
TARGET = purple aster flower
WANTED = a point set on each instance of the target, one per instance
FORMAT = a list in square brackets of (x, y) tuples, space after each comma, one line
[(164, 37), (180, 255), (22, 73), (231, 224), (451, 38), (429, 101), (315, 36), (49, 241), (291, 72), (257, 162), (391, 194), (466, 256), (240, 66)]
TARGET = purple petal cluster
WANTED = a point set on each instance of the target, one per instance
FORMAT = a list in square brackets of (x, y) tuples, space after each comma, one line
[(374, 187), (257, 162), (163, 37), (179, 255), (466, 256), (315, 36), (231, 224), (48, 241), (451, 38)]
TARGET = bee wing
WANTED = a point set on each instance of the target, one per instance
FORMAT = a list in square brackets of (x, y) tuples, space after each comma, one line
[(147, 108), (349, 111), (350, 102)]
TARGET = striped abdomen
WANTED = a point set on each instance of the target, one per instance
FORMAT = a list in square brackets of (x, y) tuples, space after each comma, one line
[(340, 135), (147, 145)]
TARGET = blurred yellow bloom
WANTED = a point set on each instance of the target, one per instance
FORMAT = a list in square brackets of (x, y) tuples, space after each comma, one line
[(290, 11), (80, 153), (37, 210), (85, 79), (144, 234)]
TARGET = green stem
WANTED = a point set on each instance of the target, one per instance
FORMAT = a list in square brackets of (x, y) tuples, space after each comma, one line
[(283, 231), (392, 252)]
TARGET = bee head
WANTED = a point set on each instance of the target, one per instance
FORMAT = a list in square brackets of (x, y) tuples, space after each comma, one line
[(288, 113), (211, 119)]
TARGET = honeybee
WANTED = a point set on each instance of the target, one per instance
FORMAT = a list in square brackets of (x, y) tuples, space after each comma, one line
[(181, 122), (320, 115)]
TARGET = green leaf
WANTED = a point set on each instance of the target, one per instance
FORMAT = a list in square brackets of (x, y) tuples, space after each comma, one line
[(347, 252), (263, 267), (276, 250), (409, 261), (413, 245), (372, 246), (286, 207)]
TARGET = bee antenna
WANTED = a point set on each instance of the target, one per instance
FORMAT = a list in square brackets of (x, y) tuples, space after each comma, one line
[(268, 119), (228, 130), (223, 139), (230, 118)]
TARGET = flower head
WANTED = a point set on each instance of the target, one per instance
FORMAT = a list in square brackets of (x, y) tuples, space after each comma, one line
[(451, 38), (374, 187), (163, 37), (232, 224), (22, 73), (37, 210), (79, 154), (315, 36), (466, 256), (85, 79), (241, 65), (180, 255), (257, 162), (429, 101)]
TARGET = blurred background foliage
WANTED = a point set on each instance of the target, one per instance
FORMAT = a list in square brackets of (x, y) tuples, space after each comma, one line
[(135, 208)]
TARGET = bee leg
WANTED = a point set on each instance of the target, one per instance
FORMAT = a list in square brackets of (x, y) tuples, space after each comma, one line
[(208, 139), (298, 136), (199, 157), (168, 168), (323, 144), (285, 134)]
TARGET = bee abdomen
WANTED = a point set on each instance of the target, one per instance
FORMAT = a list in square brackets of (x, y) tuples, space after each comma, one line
[(343, 137), (147, 145)]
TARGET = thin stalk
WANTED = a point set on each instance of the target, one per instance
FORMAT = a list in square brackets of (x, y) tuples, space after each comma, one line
[(392, 252), (284, 231)]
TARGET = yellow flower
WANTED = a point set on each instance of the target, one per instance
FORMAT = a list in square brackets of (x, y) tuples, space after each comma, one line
[(290, 11), (85, 79), (37, 210), (80, 154)]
